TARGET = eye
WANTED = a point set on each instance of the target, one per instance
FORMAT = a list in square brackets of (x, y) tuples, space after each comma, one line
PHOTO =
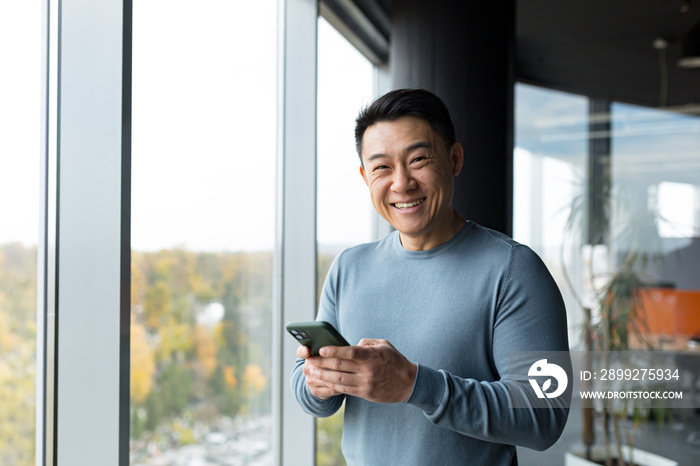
[(419, 159), (379, 167)]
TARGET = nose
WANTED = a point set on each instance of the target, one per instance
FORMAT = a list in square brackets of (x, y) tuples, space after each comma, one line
[(402, 180)]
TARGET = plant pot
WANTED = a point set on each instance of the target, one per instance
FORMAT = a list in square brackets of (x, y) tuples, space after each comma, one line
[(641, 457)]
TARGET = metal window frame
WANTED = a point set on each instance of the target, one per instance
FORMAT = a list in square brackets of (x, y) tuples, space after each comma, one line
[(84, 248), (295, 245)]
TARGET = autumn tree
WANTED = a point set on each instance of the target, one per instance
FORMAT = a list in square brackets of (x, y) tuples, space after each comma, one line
[(17, 354), (203, 369)]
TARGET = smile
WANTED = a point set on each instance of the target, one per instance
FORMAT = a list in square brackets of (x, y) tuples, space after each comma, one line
[(402, 205)]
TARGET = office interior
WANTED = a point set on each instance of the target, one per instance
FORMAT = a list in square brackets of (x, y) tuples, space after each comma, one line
[(177, 177)]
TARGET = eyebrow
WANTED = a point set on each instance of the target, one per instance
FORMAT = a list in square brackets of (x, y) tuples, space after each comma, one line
[(411, 148), (419, 145)]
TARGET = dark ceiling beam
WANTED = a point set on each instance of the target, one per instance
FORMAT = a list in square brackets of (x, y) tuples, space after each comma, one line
[(364, 23)]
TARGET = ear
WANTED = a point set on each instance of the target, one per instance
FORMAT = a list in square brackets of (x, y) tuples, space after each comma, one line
[(457, 158), (364, 175)]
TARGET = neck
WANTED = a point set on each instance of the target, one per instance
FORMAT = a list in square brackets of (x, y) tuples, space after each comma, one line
[(441, 234)]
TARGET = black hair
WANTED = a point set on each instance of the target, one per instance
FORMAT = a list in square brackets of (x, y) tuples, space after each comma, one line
[(417, 103)]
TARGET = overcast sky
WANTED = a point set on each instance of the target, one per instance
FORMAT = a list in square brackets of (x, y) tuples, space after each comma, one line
[(20, 92), (204, 126), (204, 130)]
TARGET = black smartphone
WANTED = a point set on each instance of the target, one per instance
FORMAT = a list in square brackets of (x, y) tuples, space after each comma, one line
[(316, 334)]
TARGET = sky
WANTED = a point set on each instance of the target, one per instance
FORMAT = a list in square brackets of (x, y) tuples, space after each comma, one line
[(204, 127), (20, 106), (204, 131)]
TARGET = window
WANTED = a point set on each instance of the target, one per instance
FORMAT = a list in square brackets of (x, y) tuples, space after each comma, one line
[(655, 157), (188, 169), (20, 119), (203, 216), (345, 213)]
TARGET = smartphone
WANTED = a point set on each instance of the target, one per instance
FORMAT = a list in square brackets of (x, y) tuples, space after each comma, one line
[(316, 334)]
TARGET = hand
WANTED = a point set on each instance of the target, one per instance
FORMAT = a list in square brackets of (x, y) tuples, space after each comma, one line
[(373, 370), (317, 387)]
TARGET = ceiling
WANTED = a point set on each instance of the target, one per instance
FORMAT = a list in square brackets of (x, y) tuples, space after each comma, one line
[(599, 48), (603, 49)]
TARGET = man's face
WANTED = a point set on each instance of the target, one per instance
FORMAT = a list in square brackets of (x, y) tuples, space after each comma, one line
[(410, 174)]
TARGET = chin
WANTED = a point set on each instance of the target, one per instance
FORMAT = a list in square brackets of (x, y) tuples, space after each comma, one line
[(409, 230)]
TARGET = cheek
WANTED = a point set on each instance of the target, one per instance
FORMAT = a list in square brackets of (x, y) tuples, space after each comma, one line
[(437, 179), (377, 188)]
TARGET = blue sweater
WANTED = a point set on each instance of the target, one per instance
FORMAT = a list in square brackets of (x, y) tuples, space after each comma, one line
[(456, 311)]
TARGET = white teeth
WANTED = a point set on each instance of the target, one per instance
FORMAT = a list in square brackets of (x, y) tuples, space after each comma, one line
[(401, 205)]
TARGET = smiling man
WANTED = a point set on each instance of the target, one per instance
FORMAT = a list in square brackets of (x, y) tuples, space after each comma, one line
[(436, 308), (409, 170)]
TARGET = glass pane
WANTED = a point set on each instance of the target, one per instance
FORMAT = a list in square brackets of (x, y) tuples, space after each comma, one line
[(550, 175), (642, 237), (655, 222), (20, 152), (550, 181), (203, 189), (345, 85)]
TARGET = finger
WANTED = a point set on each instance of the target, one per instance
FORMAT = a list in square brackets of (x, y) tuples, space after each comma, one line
[(339, 352), (335, 379), (368, 342), (321, 390), (309, 365), (323, 369), (315, 379), (343, 352), (303, 352), (336, 364)]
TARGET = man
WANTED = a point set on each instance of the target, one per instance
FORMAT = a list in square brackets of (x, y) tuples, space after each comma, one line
[(436, 308)]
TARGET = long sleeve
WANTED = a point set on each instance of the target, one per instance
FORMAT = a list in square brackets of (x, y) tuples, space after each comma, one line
[(530, 325)]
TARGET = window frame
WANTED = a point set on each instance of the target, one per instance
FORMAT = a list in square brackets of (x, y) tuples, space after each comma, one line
[(84, 235)]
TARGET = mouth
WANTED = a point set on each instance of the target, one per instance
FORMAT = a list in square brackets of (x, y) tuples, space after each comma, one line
[(406, 205)]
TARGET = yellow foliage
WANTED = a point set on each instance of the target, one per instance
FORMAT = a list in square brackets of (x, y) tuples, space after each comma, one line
[(17, 389), (143, 364), (206, 348), (219, 334), (157, 303), (230, 376), (174, 338), (138, 280), (254, 381), (7, 339), (185, 434)]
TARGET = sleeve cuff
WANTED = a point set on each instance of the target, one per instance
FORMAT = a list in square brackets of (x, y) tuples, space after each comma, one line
[(428, 390)]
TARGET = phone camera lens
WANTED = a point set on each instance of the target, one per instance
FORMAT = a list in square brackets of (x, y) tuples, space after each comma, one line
[(298, 337), (294, 332)]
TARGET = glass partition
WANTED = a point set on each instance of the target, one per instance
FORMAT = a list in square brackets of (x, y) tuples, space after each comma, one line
[(203, 192), (550, 176), (608, 194), (20, 120)]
